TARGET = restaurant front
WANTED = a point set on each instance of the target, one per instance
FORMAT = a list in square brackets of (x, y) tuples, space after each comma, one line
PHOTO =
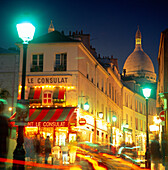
[(53, 122)]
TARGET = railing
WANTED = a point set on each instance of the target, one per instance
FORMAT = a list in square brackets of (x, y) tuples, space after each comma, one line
[(36, 69)]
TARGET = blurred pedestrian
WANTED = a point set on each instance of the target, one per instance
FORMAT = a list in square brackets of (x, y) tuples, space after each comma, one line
[(4, 133), (37, 147), (47, 148), (155, 152), (64, 149), (27, 144), (72, 150)]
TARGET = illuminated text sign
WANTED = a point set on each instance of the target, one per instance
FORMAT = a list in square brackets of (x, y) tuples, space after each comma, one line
[(48, 124)]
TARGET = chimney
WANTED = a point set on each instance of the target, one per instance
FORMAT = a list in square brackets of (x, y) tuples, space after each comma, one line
[(81, 31), (69, 32)]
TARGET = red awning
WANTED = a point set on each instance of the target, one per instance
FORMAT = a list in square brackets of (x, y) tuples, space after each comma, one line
[(59, 93), (51, 117), (35, 93)]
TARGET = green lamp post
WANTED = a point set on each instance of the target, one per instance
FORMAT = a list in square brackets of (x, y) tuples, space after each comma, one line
[(114, 119), (86, 106), (26, 33), (147, 93)]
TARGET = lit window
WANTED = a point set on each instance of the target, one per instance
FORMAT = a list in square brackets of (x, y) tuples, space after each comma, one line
[(47, 97)]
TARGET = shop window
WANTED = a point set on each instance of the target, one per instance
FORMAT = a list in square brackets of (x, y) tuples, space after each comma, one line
[(37, 63), (47, 97), (60, 62)]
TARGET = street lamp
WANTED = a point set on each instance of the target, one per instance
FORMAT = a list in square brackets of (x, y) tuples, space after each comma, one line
[(147, 93), (101, 115), (26, 33), (86, 106), (114, 118)]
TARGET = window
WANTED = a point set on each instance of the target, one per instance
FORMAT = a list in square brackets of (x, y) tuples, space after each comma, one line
[(47, 97), (87, 71), (126, 99), (131, 102), (110, 90), (126, 118), (140, 107), (141, 125), (136, 106), (60, 62), (136, 123), (92, 80), (112, 93), (115, 95), (37, 63), (102, 85)]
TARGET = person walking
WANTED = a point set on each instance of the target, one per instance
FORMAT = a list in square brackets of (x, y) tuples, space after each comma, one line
[(4, 133), (47, 148), (37, 148), (155, 152), (72, 150), (64, 149)]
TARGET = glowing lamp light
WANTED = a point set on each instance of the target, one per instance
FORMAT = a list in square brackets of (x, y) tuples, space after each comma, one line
[(86, 106), (101, 115), (25, 32), (146, 92), (126, 125), (156, 120), (10, 108), (114, 118), (154, 128)]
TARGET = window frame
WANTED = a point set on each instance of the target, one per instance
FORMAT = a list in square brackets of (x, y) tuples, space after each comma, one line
[(47, 98), (38, 67), (61, 63)]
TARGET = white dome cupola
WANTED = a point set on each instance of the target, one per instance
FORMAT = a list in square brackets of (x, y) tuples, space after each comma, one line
[(138, 63)]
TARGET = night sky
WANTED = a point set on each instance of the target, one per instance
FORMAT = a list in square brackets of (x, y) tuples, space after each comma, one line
[(111, 24)]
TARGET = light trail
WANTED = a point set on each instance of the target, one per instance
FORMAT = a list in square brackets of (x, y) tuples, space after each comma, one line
[(29, 163)]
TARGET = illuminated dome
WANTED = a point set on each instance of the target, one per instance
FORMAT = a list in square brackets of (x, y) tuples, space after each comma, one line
[(138, 64)]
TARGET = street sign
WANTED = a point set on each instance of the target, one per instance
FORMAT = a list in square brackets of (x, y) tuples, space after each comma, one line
[(162, 115)]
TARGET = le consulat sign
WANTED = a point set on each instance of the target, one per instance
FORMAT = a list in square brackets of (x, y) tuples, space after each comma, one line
[(47, 80)]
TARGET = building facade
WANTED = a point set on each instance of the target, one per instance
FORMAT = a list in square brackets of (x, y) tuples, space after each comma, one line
[(138, 72), (162, 91), (63, 74)]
